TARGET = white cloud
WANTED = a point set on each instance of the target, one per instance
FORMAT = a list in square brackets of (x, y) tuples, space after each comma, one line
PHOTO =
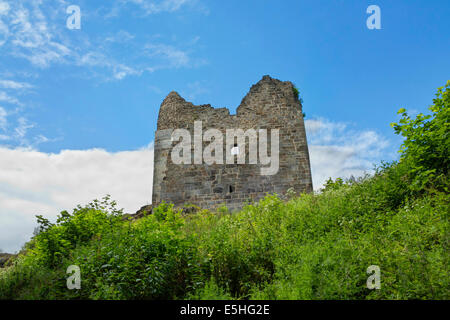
[(3, 120), (161, 6), (4, 97), (33, 38), (10, 84), (35, 31), (14, 129), (22, 128), (33, 182), (120, 37), (121, 71), (148, 7), (4, 8), (4, 30), (3, 33), (339, 151), (172, 56), (93, 59)]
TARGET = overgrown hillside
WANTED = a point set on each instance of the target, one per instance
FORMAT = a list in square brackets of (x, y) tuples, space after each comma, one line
[(310, 247)]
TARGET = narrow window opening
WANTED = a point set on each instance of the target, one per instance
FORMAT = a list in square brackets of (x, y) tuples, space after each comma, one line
[(235, 150), (231, 189)]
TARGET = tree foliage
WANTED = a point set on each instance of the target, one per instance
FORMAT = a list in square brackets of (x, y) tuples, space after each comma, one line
[(427, 142)]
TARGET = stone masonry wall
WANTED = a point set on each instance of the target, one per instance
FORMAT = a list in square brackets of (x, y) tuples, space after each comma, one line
[(270, 104)]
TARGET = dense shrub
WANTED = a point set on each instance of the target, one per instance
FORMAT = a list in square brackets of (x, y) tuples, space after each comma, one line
[(427, 142)]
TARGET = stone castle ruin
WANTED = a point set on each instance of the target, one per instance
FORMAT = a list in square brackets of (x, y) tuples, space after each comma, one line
[(271, 104)]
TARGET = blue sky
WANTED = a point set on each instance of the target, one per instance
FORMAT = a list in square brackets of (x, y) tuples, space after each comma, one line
[(96, 92)]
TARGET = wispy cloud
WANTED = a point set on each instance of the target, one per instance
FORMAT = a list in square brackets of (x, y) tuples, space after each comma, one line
[(33, 38), (3, 120), (22, 128), (15, 127), (168, 56), (157, 56), (118, 70), (122, 71), (13, 124), (152, 7), (174, 57), (338, 150), (4, 8), (10, 84), (120, 37), (148, 7), (4, 30), (33, 31), (4, 97)]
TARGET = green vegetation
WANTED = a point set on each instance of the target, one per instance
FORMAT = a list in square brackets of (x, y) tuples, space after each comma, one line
[(310, 247), (297, 97), (297, 94), (427, 143)]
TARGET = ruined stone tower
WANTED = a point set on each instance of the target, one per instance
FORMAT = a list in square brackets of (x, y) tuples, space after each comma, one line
[(270, 104)]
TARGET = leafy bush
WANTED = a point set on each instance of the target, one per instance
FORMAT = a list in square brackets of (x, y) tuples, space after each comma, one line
[(297, 94), (427, 143), (55, 241), (150, 259)]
